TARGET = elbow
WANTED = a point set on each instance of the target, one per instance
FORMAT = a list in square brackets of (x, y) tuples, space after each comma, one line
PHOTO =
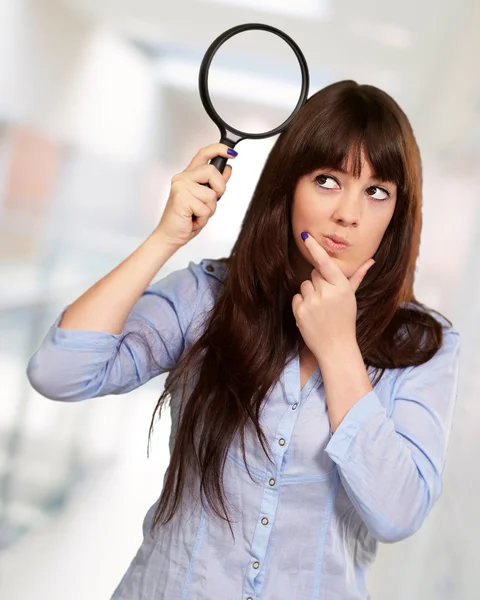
[(48, 384), (35, 378), (392, 534), (396, 528), (389, 531), (40, 380), (399, 532)]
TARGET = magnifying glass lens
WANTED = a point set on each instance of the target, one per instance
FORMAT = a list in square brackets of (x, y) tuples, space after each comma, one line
[(254, 81)]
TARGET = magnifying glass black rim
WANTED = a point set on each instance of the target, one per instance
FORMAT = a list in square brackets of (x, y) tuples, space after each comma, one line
[(224, 127)]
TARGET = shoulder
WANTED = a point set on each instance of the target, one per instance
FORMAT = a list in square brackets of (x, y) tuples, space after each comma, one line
[(190, 281), (191, 290), (212, 268), (446, 358), (444, 361), (447, 328)]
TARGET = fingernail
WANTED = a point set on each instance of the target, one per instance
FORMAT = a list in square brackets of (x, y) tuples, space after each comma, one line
[(232, 152), (304, 235), (371, 266)]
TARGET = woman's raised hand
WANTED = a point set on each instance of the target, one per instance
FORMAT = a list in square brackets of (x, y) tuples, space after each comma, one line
[(189, 198)]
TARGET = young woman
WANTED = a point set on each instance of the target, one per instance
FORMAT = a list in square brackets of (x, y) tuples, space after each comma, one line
[(311, 396)]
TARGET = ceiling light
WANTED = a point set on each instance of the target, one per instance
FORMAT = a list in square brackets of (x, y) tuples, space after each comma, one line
[(299, 8)]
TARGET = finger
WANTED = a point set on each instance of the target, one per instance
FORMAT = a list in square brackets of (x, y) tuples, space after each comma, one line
[(306, 288), (227, 173), (204, 194), (317, 279), (296, 301), (357, 278), (328, 268), (199, 223), (207, 174), (201, 211), (205, 155)]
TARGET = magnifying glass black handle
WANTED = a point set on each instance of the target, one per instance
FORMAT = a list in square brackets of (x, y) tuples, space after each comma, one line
[(219, 162)]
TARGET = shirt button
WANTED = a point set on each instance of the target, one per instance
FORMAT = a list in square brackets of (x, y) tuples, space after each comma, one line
[(272, 481), (249, 598), (281, 441), (256, 564), (264, 521), (294, 406), (210, 268)]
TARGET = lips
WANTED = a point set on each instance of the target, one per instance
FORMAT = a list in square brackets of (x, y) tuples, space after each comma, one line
[(338, 239), (333, 246)]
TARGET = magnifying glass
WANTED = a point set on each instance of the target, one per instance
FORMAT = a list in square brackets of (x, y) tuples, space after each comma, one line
[(253, 80)]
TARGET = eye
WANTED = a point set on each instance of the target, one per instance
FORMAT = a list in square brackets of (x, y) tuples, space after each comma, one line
[(320, 180), (322, 177), (375, 187)]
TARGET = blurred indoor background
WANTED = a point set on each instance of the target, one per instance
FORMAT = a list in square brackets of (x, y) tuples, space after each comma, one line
[(99, 108)]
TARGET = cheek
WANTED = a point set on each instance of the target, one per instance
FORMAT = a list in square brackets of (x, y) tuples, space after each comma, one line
[(374, 241), (307, 216)]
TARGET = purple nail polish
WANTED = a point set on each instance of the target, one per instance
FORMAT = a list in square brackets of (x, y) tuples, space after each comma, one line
[(304, 235), (371, 266), (232, 152)]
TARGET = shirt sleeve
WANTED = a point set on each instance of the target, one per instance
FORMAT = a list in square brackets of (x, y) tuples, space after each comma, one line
[(391, 464), (72, 364)]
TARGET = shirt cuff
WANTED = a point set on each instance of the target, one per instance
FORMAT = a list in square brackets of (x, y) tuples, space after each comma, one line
[(339, 444), (81, 339)]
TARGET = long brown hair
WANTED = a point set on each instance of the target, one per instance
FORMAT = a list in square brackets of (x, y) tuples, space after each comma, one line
[(250, 331)]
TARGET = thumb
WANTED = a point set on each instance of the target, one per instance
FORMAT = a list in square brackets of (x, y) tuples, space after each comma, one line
[(357, 278), (227, 172)]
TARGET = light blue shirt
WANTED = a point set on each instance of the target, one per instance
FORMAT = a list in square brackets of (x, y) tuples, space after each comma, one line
[(308, 527)]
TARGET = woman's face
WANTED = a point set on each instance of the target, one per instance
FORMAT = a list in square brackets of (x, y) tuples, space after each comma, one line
[(329, 202)]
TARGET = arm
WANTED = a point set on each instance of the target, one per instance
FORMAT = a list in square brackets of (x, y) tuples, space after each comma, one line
[(76, 364), (345, 379), (390, 464), (116, 335), (106, 305)]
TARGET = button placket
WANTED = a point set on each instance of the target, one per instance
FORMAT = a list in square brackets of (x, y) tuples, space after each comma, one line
[(292, 396), (269, 503), (260, 541)]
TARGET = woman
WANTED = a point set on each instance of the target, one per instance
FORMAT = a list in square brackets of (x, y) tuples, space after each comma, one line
[(311, 397)]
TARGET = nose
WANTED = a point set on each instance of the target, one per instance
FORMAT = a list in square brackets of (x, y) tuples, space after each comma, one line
[(348, 208)]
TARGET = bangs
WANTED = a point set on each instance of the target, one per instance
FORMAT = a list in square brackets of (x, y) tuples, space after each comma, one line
[(345, 129)]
